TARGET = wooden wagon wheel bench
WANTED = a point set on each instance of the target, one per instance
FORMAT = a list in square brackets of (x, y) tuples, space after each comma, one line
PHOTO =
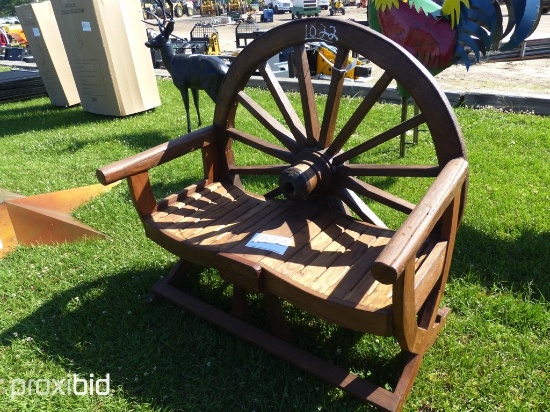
[(311, 239)]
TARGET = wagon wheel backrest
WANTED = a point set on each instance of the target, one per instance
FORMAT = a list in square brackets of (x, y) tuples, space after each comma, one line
[(298, 133)]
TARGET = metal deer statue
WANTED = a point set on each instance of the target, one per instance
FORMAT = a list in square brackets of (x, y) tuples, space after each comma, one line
[(188, 71)]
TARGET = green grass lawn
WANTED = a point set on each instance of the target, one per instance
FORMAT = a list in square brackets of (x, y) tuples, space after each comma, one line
[(80, 309)]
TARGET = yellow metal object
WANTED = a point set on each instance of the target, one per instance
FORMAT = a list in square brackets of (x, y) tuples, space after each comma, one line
[(214, 44), (15, 31), (325, 63)]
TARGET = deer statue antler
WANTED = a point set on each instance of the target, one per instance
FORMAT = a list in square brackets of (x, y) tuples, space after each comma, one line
[(171, 9), (161, 25), (161, 5)]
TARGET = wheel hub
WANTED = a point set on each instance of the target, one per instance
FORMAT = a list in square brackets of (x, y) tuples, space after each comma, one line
[(311, 174)]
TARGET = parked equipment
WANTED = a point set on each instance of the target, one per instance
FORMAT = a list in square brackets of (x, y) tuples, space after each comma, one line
[(235, 9), (301, 8), (152, 8), (326, 57), (267, 16), (204, 40), (279, 6), (148, 9), (247, 30), (209, 8), (337, 6), (177, 7)]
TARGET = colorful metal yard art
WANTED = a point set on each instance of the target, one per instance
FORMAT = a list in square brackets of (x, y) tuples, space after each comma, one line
[(441, 34)]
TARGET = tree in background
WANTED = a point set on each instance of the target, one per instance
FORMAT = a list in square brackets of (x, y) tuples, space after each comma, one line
[(7, 7)]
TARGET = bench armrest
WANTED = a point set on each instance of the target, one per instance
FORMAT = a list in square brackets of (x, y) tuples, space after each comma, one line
[(156, 156), (414, 231)]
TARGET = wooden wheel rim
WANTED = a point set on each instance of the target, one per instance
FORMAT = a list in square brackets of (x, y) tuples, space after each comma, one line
[(346, 36)]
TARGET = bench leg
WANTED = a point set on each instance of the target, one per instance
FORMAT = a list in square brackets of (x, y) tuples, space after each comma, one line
[(174, 278), (239, 302), (279, 326), (407, 378)]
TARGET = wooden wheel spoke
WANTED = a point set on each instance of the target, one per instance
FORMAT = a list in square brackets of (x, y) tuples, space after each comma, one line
[(359, 207), (269, 122), (357, 117), (259, 169), (334, 95), (273, 193), (260, 144), (381, 138), (307, 95), (376, 194), (388, 170), (279, 96)]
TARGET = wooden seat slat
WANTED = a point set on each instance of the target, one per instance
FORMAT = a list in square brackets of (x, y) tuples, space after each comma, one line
[(359, 272), (310, 274), (246, 229), (340, 274), (318, 229), (208, 218), (188, 192), (250, 222), (329, 254), (204, 208), (196, 216), (182, 211), (350, 246), (363, 292), (171, 205), (364, 289), (226, 224), (318, 244), (286, 224)]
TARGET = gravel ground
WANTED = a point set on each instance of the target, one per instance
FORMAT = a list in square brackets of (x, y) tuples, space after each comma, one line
[(530, 76)]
